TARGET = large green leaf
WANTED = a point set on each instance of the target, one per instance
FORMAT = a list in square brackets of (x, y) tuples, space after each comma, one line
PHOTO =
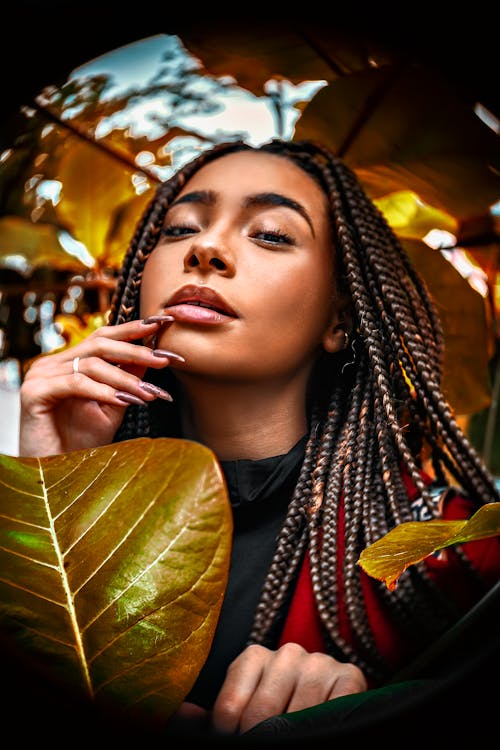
[(114, 564)]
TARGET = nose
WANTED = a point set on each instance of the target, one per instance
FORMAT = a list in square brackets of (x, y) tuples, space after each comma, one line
[(209, 251), (207, 256)]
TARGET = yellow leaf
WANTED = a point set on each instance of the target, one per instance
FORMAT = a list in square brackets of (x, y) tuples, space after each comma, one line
[(74, 329), (398, 133), (466, 381), (255, 58), (118, 239), (411, 542), (95, 185), (37, 243), (410, 217)]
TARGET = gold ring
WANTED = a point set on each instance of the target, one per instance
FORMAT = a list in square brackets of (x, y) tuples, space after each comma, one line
[(76, 361)]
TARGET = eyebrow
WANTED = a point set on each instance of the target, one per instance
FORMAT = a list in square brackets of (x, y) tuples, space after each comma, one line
[(209, 197), (206, 197), (276, 199)]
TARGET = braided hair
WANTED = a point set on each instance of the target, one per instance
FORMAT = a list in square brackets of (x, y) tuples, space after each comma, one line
[(373, 412)]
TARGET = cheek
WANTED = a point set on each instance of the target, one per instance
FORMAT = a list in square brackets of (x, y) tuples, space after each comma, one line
[(154, 289), (302, 301)]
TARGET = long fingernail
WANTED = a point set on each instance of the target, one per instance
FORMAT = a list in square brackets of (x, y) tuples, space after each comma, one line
[(156, 391), (128, 398), (158, 319), (171, 355)]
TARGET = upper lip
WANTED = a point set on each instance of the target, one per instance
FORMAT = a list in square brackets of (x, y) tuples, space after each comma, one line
[(202, 295)]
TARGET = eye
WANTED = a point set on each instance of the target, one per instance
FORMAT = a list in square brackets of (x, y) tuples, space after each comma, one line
[(273, 237), (177, 230)]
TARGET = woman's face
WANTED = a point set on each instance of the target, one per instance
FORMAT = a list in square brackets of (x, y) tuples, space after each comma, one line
[(245, 265)]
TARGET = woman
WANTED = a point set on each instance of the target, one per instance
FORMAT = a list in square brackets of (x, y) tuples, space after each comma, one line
[(266, 310)]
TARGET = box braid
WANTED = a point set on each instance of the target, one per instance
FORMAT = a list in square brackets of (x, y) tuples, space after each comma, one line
[(370, 419)]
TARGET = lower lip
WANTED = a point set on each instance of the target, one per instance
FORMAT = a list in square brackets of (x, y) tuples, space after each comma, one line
[(197, 314)]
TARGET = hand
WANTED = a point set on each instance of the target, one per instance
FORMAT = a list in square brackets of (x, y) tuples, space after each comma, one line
[(261, 683), (188, 719), (63, 411)]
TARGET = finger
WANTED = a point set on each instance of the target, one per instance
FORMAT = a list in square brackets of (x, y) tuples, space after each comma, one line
[(347, 682), (275, 688), (42, 394), (101, 341), (134, 329), (117, 378), (188, 718), (242, 678), (147, 329), (189, 710), (131, 357), (315, 681), (123, 353)]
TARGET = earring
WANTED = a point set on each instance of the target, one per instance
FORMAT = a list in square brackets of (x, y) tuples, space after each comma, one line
[(346, 342)]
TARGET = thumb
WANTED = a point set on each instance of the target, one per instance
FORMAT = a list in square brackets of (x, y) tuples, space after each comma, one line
[(189, 717)]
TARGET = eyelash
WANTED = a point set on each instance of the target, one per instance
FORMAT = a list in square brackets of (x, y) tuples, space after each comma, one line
[(278, 237), (177, 230)]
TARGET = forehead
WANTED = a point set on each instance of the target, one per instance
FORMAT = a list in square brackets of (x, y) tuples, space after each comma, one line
[(248, 172)]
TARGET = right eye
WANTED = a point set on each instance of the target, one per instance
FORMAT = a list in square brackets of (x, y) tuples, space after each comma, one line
[(177, 230)]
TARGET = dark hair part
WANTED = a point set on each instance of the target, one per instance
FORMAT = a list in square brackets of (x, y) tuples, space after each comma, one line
[(381, 412)]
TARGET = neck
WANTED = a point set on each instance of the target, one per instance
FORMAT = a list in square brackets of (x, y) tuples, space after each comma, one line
[(244, 420)]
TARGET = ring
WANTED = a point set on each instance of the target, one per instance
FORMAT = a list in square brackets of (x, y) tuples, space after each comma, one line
[(76, 360)]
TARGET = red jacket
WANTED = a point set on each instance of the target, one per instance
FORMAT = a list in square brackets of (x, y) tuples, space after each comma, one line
[(303, 624)]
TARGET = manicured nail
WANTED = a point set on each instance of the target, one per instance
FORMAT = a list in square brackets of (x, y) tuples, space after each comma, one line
[(156, 391), (158, 319), (128, 398), (166, 354)]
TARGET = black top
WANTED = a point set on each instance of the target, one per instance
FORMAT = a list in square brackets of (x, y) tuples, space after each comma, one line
[(260, 492)]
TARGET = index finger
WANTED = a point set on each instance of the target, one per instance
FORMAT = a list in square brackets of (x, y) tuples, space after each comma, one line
[(133, 329)]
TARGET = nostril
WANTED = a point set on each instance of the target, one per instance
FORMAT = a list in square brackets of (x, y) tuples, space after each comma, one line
[(218, 264), (193, 261)]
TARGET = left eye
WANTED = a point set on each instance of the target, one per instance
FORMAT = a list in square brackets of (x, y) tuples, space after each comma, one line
[(274, 237), (177, 230)]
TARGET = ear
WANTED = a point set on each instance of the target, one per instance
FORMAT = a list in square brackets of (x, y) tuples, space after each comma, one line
[(336, 336)]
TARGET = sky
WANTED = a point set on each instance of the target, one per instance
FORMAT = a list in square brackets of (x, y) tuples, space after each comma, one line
[(139, 63)]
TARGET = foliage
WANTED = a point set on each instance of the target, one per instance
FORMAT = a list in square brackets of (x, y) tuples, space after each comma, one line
[(115, 562), (411, 542)]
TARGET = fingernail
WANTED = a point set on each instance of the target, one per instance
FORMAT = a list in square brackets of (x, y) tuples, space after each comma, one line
[(171, 355), (158, 319), (128, 398), (156, 391)]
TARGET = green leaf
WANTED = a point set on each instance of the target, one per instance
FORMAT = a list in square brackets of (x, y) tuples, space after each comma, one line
[(114, 566), (411, 542)]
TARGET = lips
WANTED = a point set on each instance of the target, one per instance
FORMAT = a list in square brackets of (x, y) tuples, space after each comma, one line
[(199, 303)]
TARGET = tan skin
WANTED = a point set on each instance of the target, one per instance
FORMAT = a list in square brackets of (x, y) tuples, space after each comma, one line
[(243, 377)]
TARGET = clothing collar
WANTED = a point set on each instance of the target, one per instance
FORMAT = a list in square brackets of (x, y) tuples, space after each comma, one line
[(251, 481)]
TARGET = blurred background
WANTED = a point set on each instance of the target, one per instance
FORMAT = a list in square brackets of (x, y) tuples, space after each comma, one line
[(99, 108)]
